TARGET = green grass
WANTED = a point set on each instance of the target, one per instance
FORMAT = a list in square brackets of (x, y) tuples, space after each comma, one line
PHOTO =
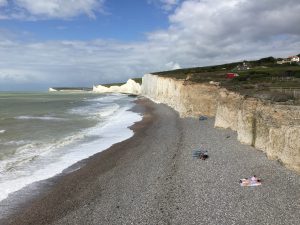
[(112, 84), (264, 75), (137, 80)]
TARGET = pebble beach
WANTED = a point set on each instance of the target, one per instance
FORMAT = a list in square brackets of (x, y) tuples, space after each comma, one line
[(152, 178)]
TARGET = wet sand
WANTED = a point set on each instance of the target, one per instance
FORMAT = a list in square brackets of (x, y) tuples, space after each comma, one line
[(152, 178)]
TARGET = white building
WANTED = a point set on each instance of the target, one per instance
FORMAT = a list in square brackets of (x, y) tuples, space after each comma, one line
[(290, 60), (294, 58)]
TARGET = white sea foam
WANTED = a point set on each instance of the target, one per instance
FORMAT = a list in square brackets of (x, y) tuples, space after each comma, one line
[(40, 118), (2, 131), (38, 161), (20, 142), (33, 150), (109, 98), (96, 110)]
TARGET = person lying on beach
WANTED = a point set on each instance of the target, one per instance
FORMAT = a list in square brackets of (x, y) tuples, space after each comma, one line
[(252, 181), (201, 154)]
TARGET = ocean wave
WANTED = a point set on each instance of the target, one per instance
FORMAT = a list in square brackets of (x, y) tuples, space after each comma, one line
[(102, 106), (20, 142), (40, 118), (108, 98), (2, 131), (33, 161), (96, 110), (107, 111), (28, 150)]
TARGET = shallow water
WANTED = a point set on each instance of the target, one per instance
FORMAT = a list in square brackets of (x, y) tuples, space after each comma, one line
[(41, 134)]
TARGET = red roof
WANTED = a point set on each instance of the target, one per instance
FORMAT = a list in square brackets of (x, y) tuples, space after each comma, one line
[(231, 75)]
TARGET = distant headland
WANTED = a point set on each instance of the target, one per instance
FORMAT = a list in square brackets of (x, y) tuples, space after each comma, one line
[(69, 89)]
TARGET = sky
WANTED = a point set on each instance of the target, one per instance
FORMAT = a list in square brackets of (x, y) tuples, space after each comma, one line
[(50, 43)]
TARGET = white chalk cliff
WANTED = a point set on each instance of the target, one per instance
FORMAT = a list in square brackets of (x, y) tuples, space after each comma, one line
[(130, 87), (188, 99), (52, 89), (274, 129)]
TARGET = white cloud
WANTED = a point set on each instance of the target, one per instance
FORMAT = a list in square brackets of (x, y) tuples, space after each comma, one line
[(173, 66), (71, 62), (207, 32), (48, 9), (78, 63), (200, 33)]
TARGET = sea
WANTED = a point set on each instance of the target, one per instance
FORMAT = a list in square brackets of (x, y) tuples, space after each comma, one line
[(42, 134)]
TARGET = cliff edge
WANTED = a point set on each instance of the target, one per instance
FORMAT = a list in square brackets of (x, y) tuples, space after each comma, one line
[(272, 128)]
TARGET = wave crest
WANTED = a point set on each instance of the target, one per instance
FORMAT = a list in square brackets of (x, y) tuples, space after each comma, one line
[(40, 118)]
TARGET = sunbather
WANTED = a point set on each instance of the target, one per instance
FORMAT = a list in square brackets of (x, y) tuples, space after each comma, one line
[(252, 181), (203, 156)]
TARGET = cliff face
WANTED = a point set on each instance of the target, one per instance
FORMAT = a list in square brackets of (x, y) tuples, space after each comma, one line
[(131, 87), (187, 99), (274, 129)]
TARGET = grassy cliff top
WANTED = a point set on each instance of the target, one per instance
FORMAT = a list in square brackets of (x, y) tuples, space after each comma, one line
[(262, 78)]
